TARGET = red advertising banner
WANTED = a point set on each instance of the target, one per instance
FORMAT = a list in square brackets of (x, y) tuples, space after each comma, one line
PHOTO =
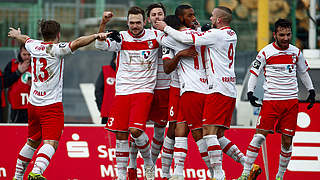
[(88, 153)]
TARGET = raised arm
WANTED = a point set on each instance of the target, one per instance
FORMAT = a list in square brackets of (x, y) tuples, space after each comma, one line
[(106, 17), (16, 34), (85, 40)]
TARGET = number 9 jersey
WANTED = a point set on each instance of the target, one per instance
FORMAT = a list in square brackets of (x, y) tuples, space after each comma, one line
[(47, 71), (220, 55)]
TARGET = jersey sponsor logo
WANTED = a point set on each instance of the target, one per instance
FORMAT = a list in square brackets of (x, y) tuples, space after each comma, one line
[(76, 148), (165, 50), (230, 32), (256, 64), (40, 48), (290, 68), (110, 80), (146, 54)]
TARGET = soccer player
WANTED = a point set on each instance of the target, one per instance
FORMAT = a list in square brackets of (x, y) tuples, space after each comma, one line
[(135, 82), (159, 108), (280, 62), (220, 45), (193, 90), (45, 111)]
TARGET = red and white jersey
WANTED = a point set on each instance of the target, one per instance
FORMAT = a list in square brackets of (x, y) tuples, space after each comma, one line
[(191, 71), (46, 71), (280, 70), (167, 55), (163, 79), (220, 55), (137, 60)]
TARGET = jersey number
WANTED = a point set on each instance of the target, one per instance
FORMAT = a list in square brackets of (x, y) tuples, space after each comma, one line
[(230, 54), (45, 75)]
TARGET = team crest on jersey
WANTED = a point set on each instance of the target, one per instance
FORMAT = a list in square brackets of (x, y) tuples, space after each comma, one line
[(25, 77), (256, 64), (150, 44), (294, 59)]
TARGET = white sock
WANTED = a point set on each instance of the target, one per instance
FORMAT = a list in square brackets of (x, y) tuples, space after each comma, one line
[(157, 143), (24, 158), (214, 152), (252, 152), (284, 160), (231, 150), (180, 154), (203, 149), (122, 157), (43, 158), (143, 145), (133, 153), (167, 156)]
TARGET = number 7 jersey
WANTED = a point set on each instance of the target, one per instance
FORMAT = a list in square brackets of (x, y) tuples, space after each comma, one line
[(47, 71)]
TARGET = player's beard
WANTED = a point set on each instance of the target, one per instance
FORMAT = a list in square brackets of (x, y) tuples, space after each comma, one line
[(282, 45)]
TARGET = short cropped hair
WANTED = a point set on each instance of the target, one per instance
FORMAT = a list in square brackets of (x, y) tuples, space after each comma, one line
[(228, 16), (136, 10), (285, 23), (173, 21), (181, 8), (155, 5), (49, 29)]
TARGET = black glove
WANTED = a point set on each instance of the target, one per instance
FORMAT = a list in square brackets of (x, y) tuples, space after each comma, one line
[(253, 99), (114, 36), (205, 27), (311, 98)]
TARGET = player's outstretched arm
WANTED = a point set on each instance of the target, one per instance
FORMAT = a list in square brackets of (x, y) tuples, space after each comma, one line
[(106, 17), (16, 34), (85, 40), (177, 35), (171, 65)]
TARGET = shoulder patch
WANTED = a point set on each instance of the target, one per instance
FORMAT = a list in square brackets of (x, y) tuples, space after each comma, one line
[(256, 64), (62, 45), (165, 50)]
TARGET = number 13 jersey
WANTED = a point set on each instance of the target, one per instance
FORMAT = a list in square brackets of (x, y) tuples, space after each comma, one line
[(47, 71), (220, 55)]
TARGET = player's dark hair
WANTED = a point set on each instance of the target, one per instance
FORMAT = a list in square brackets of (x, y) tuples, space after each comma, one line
[(181, 8), (136, 10), (284, 23), (173, 21), (155, 5), (22, 46), (49, 29)]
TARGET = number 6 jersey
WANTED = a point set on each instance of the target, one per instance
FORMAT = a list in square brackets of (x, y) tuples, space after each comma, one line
[(47, 71)]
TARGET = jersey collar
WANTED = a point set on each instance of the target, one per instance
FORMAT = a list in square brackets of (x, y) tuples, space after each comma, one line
[(139, 36)]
